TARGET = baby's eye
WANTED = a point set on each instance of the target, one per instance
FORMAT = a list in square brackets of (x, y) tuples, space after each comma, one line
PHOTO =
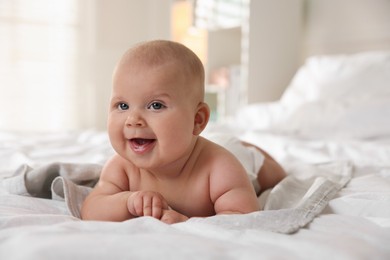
[(123, 106), (156, 106)]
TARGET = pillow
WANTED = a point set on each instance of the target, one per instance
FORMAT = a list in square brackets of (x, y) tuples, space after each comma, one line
[(341, 95), (327, 118), (340, 76)]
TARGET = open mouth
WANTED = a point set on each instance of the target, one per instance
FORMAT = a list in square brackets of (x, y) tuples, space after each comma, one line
[(141, 145)]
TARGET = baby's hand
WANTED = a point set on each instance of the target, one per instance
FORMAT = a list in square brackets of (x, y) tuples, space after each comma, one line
[(146, 203), (171, 216)]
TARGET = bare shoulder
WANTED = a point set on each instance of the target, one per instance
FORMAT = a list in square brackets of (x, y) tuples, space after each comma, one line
[(226, 172), (220, 158), (214, 156), (114, 174)]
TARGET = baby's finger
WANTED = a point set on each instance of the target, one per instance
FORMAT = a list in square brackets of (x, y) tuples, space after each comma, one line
[(147, 206), (157, 207), (138, 206)]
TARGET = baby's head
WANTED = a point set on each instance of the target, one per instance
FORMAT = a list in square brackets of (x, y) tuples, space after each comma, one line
[(157, 103), (163, 54)]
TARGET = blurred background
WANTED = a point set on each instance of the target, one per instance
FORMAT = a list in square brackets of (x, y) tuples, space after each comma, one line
[(57, 56)]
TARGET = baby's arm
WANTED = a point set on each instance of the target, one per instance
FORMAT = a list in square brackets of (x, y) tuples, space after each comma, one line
[(111, 199), (230, 188)]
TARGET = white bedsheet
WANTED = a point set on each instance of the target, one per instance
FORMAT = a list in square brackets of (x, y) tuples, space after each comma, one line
[(355, 224), (330, 131)]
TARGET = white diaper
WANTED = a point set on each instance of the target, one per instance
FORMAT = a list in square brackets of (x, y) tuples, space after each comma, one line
[(251, 158)]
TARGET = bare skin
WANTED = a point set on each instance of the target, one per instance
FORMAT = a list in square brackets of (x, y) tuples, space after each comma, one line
[(162, 167), (223, 190)]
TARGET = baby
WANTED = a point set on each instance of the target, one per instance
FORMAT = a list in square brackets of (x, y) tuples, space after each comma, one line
[(162, 167)]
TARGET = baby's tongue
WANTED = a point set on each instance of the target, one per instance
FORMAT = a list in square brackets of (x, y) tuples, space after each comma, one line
[(140, 144)]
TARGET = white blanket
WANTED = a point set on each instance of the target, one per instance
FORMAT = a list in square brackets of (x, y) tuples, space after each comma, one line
[(319, 217), (291, 205)]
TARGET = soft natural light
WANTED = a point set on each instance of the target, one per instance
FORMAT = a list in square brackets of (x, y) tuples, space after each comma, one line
[(218, 14), (37, 70), (57, 56)]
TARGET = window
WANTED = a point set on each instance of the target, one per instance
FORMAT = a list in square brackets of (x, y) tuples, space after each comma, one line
[(38, 50), (219, 14)]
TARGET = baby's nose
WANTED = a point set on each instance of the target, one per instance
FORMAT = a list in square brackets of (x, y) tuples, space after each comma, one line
[(135, 121)]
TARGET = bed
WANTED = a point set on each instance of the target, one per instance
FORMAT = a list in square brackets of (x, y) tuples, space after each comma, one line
[(330, 131)]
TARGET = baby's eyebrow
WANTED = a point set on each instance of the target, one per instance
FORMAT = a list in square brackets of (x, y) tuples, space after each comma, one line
[(115, 100), (160, 95)]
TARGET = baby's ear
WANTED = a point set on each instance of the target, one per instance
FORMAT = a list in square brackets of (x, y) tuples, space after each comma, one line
[(201, 118)]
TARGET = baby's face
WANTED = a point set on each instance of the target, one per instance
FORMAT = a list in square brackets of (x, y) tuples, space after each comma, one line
[(151, 118)]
